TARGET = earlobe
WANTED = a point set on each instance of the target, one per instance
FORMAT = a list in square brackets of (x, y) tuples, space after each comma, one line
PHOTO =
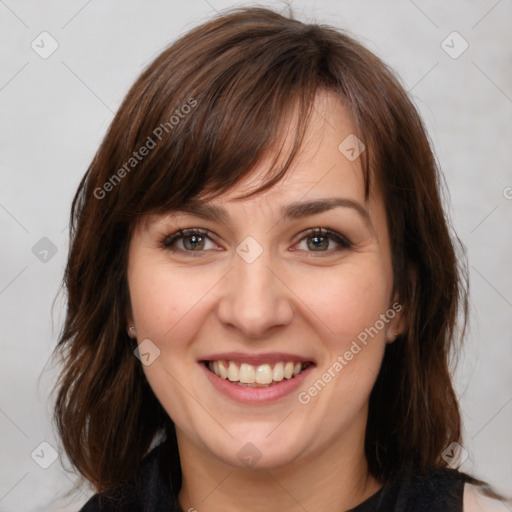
[(130, 329), (398, 323), (392, 336)]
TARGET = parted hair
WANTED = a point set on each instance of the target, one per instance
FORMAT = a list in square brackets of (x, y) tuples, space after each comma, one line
[(208, 109)]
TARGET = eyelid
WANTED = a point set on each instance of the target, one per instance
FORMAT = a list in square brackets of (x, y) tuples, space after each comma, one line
[(182, 233), (340, 239), (337, 237)]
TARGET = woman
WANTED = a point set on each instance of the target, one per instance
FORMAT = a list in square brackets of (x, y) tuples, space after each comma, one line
[(262, 287)]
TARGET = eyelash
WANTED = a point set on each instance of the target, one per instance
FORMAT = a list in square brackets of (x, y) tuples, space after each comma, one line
[(169, 241)]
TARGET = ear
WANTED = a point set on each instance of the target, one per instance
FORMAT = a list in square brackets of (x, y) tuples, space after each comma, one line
[(130, 324), (398, 320), (399, 324)]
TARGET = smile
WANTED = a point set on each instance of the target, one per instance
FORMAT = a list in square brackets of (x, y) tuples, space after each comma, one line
[(256, 382), (263, 375)]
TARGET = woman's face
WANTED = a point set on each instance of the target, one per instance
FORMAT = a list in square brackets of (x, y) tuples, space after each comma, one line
[(251, 287)]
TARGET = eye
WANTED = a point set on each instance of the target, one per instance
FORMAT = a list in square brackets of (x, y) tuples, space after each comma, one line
[(319, 240), (195, 240), (191, 240)]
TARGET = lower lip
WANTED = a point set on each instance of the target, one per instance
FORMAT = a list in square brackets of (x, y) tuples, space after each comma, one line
[(249, 395)]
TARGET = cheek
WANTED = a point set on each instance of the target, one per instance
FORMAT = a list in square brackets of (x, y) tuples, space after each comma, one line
[(349, 298), (153, 303), (165, 300), (166, 303)]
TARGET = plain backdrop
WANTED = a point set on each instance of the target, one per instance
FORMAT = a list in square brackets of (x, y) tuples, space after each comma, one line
[(55, 110)]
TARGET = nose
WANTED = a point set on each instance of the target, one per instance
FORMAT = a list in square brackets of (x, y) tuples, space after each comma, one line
[(255, 299)]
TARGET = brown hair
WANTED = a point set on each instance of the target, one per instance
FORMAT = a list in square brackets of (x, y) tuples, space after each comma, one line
[(208, 109)]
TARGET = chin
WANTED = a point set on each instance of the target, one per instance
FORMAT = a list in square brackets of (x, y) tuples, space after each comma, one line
[(258, 449)]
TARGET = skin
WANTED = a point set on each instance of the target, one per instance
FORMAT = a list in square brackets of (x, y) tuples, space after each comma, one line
[(295, 297)]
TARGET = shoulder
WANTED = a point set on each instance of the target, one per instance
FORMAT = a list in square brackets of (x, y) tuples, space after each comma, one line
[(437, 489), (474, 501), (428, 490), (149, 490), (442, 489)]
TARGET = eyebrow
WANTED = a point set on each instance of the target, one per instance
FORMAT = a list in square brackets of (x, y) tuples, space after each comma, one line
[(296, 210)]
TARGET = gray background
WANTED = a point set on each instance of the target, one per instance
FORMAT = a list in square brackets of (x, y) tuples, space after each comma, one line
[(55, 111)]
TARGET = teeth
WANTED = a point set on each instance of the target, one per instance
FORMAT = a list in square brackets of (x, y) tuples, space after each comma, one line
[(233, 372), (247, 374), (288, 370), (222, 369), (278, 374), (264, 374)]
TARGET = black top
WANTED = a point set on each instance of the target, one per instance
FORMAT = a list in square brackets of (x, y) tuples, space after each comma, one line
[(440, 490)]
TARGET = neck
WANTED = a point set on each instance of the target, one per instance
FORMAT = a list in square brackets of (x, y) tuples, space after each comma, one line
[(335, 478)]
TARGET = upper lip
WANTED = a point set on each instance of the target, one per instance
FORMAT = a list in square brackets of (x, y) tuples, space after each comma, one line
[(256, 359)]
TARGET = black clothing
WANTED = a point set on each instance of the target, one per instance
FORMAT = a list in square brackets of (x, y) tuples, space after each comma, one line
[(151, 491)]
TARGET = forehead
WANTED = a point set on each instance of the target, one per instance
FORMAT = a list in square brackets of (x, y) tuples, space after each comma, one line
[(324, 168), (327, 163)]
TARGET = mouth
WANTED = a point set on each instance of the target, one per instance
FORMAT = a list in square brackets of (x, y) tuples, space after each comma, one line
[(257, 376)]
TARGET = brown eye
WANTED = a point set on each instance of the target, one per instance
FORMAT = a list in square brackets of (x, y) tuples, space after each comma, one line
[(320, 240), (191, 240)]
